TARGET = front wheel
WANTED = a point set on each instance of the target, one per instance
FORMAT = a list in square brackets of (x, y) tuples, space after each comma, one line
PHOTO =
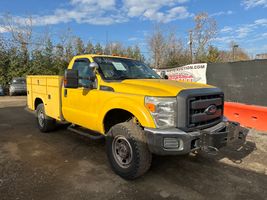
[(127, 150), (45, 123)]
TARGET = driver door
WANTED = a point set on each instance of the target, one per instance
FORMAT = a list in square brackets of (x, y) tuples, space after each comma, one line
[(77, 102)]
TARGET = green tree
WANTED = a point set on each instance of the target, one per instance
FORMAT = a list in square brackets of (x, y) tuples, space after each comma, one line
[(130, 52), (4, 62), (20, 57), (117, 48), (60, 62), (213, 55), (48, 57), (79, 46), (98, 48), (38, 65), (17, 66), (69, 52), (89, 48), (137, 53)]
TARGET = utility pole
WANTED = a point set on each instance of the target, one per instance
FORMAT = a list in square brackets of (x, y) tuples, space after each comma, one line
[(235, 46), (191, 45)]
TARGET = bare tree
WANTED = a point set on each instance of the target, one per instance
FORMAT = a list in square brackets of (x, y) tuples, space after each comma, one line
[(21, 32), (115, 48), (173, 45), (176, 53), (167, 49), (20, 29), (157, 46), (204, 31)]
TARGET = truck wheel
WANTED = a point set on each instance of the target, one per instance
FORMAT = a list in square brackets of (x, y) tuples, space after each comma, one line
[(127, 150), (45, 123)]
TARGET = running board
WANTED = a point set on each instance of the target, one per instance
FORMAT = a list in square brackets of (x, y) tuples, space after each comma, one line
[(85, 132)]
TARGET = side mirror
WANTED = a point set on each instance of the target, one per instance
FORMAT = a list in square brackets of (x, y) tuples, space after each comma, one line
[(93, 65), (164, 75), (71, 79)]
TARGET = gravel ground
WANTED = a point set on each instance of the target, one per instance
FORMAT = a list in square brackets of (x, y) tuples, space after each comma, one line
[(15, 101), (63, 165)]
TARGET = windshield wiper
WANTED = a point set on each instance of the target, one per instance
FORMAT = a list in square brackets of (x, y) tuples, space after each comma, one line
[(148, 77), (123, 77)]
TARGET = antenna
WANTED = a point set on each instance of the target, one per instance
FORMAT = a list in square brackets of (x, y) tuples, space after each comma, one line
[(109, 47), (191, 45)]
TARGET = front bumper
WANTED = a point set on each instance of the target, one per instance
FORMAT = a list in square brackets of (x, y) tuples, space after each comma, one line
[(177, 142)]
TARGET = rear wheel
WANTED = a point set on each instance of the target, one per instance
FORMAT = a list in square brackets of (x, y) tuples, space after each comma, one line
[(127, 150), (45, 123)]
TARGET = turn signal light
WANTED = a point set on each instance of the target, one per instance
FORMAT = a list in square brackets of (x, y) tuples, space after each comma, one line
[(151, 107)]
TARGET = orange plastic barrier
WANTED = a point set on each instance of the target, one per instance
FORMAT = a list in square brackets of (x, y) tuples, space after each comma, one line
[(247, 115)]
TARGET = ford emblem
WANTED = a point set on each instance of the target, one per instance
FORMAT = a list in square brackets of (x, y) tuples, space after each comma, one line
[(211, 110)]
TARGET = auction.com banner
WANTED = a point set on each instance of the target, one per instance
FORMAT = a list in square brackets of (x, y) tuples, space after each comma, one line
[(191, 73)]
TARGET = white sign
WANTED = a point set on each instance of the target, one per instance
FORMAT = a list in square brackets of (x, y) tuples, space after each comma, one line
[(190, 73), (119, 66)]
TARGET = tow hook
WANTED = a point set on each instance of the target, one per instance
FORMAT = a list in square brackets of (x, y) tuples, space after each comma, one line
[(210, 150), (205, 144)]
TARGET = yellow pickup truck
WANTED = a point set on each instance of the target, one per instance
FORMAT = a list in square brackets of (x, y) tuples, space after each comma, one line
[(137, 111)]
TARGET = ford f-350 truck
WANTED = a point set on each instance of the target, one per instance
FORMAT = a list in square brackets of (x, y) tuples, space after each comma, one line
[(137, 111)]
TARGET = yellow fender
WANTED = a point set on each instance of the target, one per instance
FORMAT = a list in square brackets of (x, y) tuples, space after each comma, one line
[(127, 104)]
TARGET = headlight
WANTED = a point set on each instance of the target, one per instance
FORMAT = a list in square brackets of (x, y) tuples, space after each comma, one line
[(163, 111)]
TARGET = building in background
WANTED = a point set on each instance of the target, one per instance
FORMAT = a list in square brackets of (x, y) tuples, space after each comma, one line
[(261, 56)]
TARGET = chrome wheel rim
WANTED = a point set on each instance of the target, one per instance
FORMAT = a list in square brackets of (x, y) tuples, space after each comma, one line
[(41, 118), (122, 151)]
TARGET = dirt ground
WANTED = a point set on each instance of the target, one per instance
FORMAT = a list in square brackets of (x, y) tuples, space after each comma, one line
[(63, 165), (15, 101)]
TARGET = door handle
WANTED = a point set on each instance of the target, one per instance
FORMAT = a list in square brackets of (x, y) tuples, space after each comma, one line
[(65, 92)]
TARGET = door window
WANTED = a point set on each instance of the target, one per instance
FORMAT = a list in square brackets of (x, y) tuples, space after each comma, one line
[(82, 65)]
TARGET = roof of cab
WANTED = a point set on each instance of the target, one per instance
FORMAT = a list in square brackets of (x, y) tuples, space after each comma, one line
[(101, 55)]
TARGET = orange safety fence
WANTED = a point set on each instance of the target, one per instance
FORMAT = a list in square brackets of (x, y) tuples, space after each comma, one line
[(247, 115)]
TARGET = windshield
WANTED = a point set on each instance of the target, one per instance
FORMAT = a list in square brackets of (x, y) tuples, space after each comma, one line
[(122, 68), (19, 81)]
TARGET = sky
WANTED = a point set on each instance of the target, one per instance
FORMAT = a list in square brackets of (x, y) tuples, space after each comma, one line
[(131, 21)]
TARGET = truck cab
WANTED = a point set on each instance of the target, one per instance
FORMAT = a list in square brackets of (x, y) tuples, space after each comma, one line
[(137, 111)]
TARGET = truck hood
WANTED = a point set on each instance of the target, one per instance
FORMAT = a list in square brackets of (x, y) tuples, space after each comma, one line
[(154, 87)]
